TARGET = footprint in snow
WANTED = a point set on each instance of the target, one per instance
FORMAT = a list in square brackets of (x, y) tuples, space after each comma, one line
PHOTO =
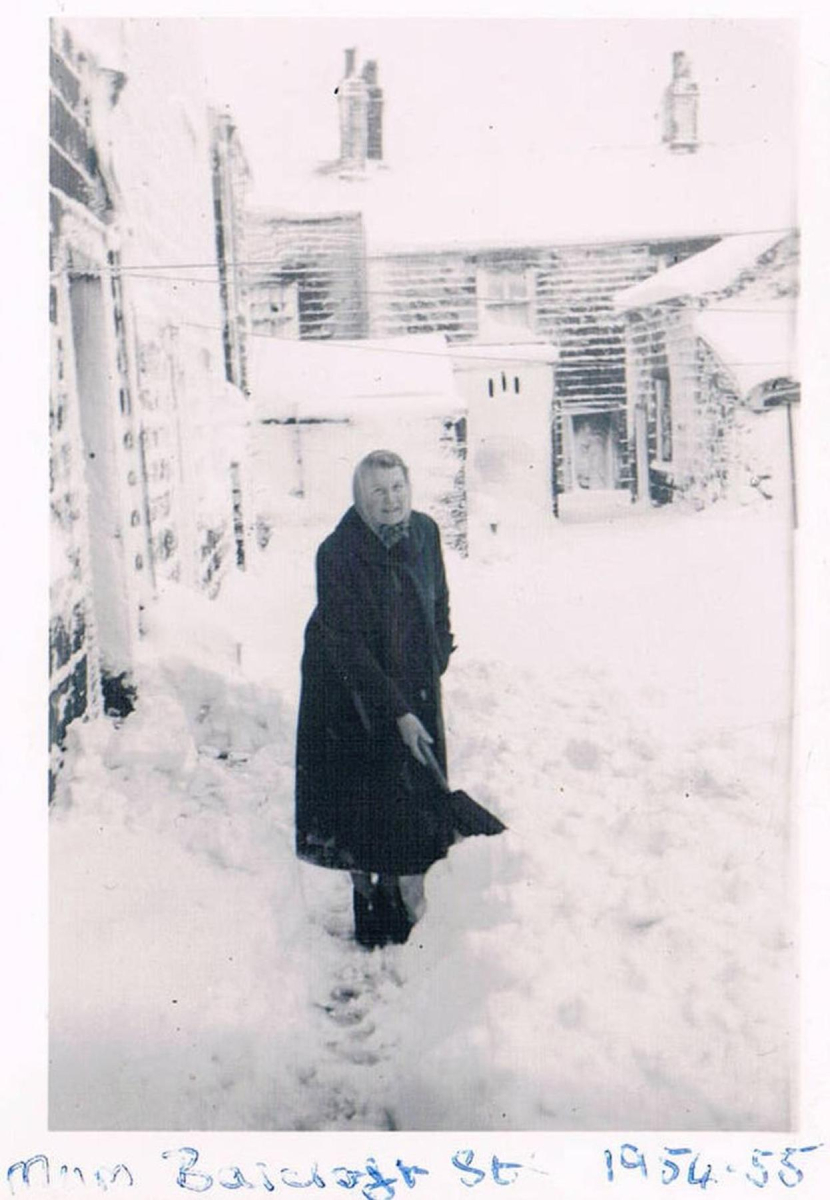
[(341, 1015), (350, 1005), (361, 1056)]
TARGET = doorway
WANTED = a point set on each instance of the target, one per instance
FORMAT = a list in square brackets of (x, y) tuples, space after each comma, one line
[(591, 454)]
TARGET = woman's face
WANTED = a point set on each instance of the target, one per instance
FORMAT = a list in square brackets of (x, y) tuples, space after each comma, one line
[(385, 495)]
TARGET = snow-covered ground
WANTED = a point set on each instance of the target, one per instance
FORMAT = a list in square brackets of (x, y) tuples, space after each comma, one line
[(622, 957)]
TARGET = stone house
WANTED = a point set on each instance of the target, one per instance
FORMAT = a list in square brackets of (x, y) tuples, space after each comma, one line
[(558, 294), (513, 247)]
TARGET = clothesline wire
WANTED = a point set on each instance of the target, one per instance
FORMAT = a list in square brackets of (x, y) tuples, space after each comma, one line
[(434, 297), (469, 297), (372, 348), (448, 353), (418, 252)]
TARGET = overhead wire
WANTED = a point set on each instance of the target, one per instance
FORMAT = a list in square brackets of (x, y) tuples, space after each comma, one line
[(432, 298), (436, 298), (417, 252), (318, 276), (371, 348)]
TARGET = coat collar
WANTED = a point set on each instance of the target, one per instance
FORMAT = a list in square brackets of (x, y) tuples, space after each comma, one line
[(358, 539)]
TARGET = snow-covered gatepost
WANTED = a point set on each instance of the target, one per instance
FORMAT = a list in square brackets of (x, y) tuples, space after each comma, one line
[(508, 389), (712, 374), (147, 425), (230, 176)]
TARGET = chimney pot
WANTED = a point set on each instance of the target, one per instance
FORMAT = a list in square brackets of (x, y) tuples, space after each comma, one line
[(350, 57), (680, 65), (680, 107)]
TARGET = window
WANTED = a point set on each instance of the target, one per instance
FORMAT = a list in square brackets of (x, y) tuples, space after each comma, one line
[(505, 298), (662, 415)]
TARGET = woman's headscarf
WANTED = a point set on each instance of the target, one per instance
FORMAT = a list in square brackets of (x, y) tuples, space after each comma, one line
[(387, 460)]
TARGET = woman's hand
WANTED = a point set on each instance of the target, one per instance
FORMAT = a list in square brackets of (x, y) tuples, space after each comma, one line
[(413, 733)]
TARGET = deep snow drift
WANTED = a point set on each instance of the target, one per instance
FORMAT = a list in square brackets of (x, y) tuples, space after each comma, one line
[(622, 957)]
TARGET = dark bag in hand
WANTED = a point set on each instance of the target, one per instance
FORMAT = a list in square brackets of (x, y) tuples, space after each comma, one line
[(468, 816)]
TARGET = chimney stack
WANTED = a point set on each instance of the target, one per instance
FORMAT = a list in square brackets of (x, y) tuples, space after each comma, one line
[(680, 106), (374, 112), (360, 101)]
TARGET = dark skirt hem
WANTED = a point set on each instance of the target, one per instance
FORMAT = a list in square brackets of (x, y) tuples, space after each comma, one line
[(321, 853)]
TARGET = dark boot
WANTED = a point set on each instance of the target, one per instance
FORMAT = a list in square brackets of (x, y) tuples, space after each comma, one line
[(396, 918), (369, 919)]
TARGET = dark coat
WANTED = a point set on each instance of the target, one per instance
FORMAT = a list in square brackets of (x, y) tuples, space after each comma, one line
[(375, 648)]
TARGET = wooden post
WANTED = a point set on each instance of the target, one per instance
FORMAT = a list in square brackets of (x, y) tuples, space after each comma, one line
[(791, 448), (641, 454)]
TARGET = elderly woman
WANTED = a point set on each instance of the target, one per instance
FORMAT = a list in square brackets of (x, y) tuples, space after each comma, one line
[(376, 646)]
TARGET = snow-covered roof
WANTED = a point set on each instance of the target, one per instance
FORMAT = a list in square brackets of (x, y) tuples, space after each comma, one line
[(610, 195), (290, 378), (498, 133), (709, 271), (756, 343)]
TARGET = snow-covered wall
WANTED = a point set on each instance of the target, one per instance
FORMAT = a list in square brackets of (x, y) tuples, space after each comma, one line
[(147, 437), (230, 175), (509, 405), (319, 407), (94, 603), (161, 153)]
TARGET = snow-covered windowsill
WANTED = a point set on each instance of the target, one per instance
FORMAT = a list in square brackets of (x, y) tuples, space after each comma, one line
[(657, 464)]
